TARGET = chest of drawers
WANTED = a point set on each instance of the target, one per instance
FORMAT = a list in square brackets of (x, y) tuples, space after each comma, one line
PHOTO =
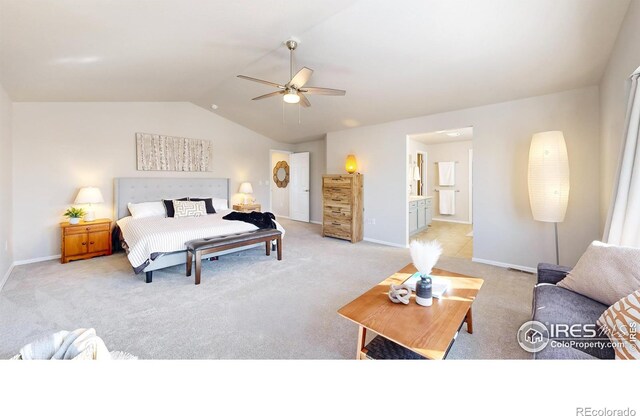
[(342, 204)]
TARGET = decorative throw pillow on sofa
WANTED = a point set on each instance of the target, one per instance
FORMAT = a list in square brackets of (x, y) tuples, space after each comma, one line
[(189, 208), (605, 273), (620, 322)]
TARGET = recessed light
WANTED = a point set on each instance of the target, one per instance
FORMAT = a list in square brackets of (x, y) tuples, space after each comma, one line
[(214, 107)]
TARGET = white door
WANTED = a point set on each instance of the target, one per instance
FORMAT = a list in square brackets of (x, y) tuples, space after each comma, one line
[(299, 181)]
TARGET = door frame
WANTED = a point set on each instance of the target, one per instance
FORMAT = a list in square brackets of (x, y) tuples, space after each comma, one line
[(270, 176)]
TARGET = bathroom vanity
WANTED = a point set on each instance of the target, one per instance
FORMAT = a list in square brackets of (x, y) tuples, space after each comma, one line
[(420, 213)]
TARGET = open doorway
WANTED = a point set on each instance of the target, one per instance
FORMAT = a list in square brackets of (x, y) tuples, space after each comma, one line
[(440, 189), (289, 184)]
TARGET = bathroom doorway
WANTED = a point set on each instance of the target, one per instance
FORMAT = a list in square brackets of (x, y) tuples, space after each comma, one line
[(440, 189)]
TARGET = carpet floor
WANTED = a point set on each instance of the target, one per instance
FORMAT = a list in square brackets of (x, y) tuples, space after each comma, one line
[(248, 306)]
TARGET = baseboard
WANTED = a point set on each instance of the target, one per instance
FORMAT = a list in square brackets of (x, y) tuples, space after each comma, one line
[(505, 265), (316, 222), (282, 216), (447, 220), (36, 260), (384, 243), (6, 276)]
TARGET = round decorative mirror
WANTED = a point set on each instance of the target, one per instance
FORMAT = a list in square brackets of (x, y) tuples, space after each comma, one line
[(281, 174)]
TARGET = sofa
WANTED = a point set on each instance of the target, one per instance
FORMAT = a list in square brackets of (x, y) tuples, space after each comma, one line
[(555, 305)]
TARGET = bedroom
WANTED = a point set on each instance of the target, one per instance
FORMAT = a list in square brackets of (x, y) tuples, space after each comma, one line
[(72, 99)]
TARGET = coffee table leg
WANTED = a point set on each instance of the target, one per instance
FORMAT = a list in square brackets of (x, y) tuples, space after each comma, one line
[(362, 335), (469, 320)]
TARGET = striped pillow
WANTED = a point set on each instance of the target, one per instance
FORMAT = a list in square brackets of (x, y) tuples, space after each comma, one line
[(189, 208), (621, 323)]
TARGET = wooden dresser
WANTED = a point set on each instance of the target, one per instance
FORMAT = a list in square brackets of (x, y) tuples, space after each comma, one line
[(247, 207), (85, 240), (342, 206)]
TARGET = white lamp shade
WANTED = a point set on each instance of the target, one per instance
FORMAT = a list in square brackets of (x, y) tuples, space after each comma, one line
[(89, 195), (246, 188), (548, 176)]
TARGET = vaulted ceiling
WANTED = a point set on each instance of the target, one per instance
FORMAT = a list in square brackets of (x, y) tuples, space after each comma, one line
[(396, 59)]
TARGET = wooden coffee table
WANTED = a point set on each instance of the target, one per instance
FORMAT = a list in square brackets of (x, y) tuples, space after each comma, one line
[(427, 331)]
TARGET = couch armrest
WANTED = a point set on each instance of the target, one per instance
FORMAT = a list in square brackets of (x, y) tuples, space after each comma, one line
[(551, 273)]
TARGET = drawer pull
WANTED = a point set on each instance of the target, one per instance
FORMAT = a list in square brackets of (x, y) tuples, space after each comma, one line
[(84, 243), (91, 242), (336, 212), (88, 228), (336, 223), (336, 199)]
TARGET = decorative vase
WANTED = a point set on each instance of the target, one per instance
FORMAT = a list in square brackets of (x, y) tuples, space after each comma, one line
[(424, 296), (74, 220)]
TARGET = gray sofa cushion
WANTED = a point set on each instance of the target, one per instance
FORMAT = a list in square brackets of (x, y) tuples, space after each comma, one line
[(551, 273), (556, 305)]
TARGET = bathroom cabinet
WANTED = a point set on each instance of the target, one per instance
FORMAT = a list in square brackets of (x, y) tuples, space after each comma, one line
[(420, 214)]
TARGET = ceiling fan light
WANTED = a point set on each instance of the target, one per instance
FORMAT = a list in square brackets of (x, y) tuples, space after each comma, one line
[(291, 98)]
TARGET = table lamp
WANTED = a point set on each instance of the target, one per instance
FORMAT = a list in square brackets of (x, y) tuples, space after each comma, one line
[(351, 165), (246, 188), (89, 195), (549, 179)]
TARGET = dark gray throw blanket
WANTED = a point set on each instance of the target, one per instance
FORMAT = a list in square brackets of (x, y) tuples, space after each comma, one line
[(261, 220)]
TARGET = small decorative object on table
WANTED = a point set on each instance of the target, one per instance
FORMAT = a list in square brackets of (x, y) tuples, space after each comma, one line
[(425, 255), (74, 214), (400, 294)]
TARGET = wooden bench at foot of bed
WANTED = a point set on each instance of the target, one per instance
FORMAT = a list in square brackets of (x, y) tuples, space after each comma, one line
[(211, 245)]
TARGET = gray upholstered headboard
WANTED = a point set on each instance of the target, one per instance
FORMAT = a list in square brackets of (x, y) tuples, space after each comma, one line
[(137, 190)]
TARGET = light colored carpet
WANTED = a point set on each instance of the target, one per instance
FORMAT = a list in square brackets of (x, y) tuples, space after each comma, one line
[(248, 306)]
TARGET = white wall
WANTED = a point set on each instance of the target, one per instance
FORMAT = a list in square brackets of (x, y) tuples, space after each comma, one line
[(6, 213), (279, 196), (504, 229), (60, 147), (317, 167), (449, 152), (614, 95)]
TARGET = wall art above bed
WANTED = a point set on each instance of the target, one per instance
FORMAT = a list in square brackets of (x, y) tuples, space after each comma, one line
[(158, 152)]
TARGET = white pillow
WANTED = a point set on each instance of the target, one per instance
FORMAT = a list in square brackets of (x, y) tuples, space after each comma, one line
[(220, 204), (147, 209)]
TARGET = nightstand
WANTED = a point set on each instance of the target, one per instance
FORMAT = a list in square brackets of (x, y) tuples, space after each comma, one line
[(85, 240), (247, 207)]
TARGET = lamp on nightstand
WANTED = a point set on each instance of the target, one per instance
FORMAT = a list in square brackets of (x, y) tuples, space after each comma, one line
[(246, 188), (89, 195)]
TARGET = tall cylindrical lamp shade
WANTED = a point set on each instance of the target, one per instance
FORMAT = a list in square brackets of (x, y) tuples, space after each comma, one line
[(548, 176)]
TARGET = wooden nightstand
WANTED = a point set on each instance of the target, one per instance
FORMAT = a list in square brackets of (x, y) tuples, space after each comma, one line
[(247, 207), (85, 240)]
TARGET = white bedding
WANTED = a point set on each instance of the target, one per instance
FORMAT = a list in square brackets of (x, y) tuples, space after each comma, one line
[(146, 236)]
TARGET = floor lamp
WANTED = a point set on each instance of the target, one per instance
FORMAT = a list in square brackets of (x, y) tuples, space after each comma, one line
[(549, 179)]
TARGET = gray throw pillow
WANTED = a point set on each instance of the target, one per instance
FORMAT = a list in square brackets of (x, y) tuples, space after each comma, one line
[(605, 273)]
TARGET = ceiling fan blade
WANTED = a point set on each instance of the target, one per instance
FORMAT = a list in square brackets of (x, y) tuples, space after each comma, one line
[(303, 100), (301, 77), (271, 94), (323, 91), (261, 81)]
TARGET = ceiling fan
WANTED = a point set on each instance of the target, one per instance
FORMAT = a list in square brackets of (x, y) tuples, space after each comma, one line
[(294, 91)]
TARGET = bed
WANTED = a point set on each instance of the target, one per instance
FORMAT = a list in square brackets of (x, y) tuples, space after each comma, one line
[(156, 243)]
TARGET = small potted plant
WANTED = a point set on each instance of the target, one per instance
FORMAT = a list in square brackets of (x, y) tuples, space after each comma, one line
[(74, 214)]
